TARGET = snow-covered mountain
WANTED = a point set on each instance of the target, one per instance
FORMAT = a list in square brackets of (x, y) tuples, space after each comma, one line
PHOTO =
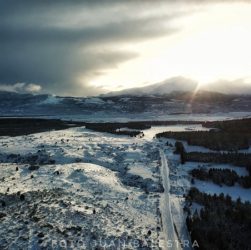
[(152, 103), (166, 87), (181, 84)]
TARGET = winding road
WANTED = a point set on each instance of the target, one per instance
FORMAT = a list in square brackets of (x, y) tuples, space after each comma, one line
[(171, 240)]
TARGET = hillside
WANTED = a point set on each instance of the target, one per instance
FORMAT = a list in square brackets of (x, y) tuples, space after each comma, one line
[(123, 107)]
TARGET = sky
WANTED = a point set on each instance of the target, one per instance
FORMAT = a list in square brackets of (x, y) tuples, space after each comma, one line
[(84, 48)]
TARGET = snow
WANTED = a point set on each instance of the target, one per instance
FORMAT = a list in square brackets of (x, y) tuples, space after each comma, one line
[(88, 175), (167, 219), (71, 175), (235, 192), (241, 171), (91, 191), (125, 99), (247, 151), (125, 129), (150, 133), (141, 170), (51, 99), (181, 180), (179, 218), (94, 100)]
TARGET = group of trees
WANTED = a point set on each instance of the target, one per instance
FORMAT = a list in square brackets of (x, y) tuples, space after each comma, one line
[(221, 176), (237, 159), (114, 128), (179, 149), (25, 126), (240, 125), (218, 176), (107, 126), (230, 135), (215, 140), (131, 133), (234, 158), (221, 224)]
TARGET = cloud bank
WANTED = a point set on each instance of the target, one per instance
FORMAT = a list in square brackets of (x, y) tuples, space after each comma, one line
[(21, 88), (60, 46)]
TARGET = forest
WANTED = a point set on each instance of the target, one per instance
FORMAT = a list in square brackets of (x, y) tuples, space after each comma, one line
[(239, 125), (230, 135), (218, 176), (221, 223), (215, 140), (237, 159), (221, 176), (25, 126)]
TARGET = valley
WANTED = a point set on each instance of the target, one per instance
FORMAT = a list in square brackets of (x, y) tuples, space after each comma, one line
[(81, 189)]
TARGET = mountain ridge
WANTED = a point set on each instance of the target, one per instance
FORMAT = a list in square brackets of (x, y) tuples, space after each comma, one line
[(184, 84)]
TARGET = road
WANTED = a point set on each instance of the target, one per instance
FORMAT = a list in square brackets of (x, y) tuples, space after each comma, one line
[(171, 240)]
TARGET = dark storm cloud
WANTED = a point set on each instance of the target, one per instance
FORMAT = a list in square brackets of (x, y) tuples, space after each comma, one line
[(52, 43), (55, 43)]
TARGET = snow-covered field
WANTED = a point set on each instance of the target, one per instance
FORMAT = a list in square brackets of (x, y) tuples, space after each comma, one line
[(85, 189), (150, 133), (79, 189), (181, 180)]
